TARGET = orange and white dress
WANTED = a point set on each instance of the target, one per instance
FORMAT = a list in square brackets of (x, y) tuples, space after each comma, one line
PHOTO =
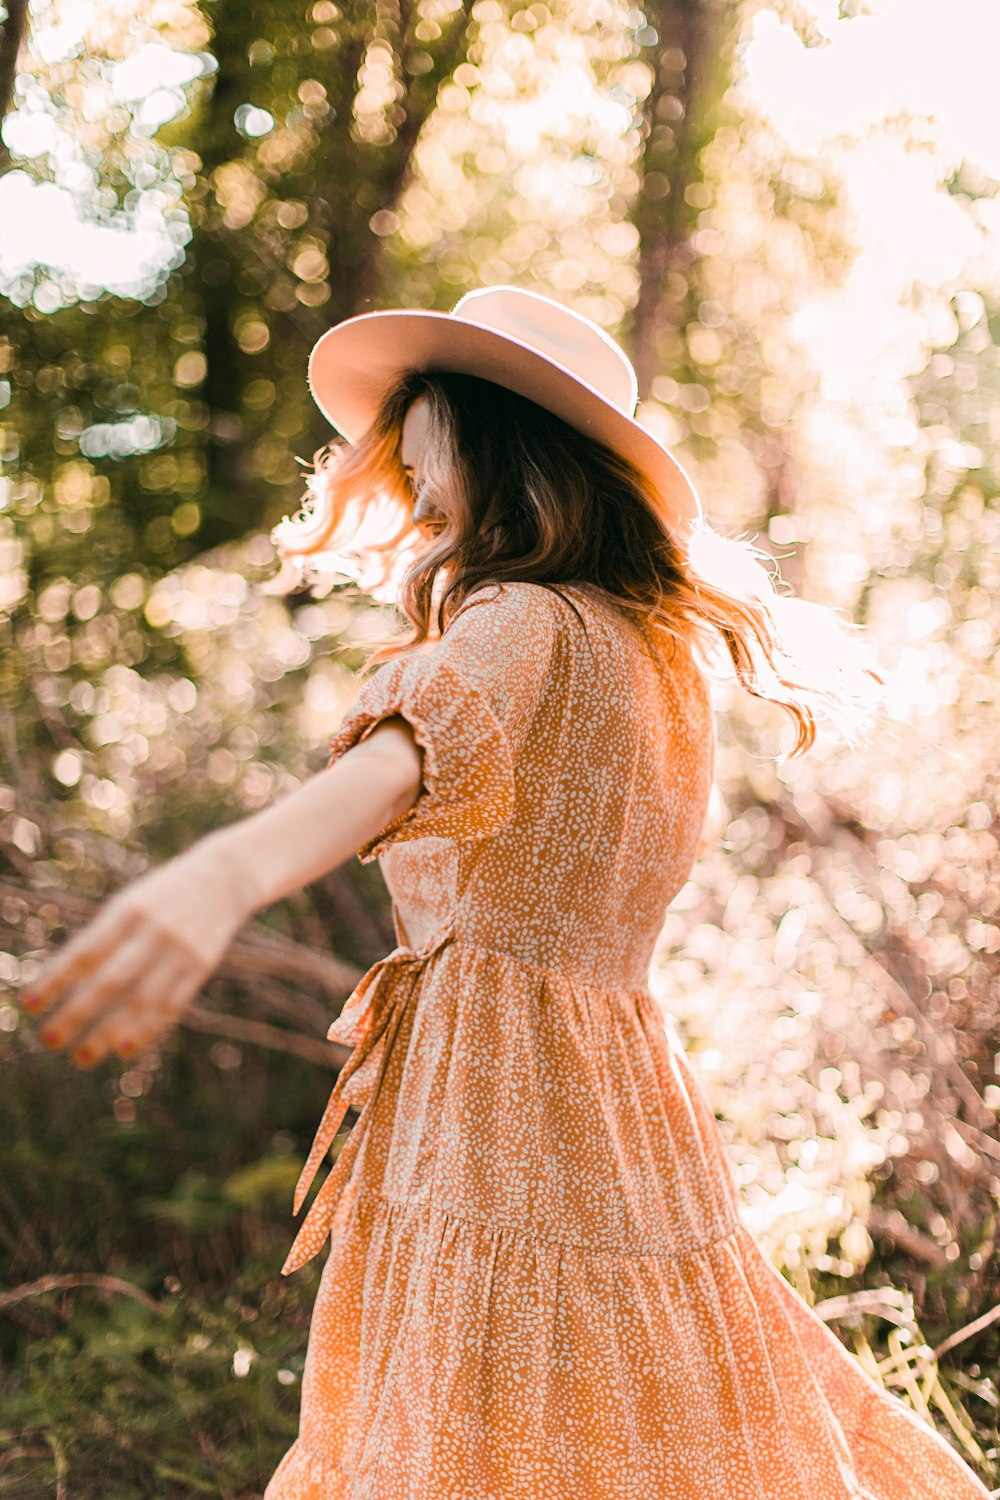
[(539, 1285)]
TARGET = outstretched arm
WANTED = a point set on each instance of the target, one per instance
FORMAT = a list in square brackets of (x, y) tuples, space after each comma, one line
[(128, 976), (321, 824)]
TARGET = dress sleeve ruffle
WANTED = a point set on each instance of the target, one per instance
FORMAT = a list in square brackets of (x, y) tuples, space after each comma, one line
[(468, 775), (471, 699)]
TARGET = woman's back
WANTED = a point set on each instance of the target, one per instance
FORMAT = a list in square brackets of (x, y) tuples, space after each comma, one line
[(571, 858)]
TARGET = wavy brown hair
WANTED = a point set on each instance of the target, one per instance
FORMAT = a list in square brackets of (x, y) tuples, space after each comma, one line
[(541, 502)]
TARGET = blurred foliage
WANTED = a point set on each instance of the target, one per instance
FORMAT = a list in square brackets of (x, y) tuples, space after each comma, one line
[(188, 1395), (190, 194)]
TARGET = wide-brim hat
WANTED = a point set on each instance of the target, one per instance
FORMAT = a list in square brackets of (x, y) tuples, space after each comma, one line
[(521, 340)]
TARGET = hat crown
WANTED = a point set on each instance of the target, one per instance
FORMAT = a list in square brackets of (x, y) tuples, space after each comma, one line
[(559, 334)]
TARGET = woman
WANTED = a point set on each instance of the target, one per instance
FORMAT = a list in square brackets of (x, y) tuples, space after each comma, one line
[(539, 1285)]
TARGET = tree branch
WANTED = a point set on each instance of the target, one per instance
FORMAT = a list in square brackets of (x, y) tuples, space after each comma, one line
[(80, 1278), (259, 1034)]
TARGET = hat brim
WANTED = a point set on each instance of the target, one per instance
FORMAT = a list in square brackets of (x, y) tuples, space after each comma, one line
[(355, 364)]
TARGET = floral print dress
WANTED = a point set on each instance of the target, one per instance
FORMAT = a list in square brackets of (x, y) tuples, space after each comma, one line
[(539, 1285)]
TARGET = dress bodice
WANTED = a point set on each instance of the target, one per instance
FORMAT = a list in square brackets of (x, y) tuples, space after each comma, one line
[(568, 761)]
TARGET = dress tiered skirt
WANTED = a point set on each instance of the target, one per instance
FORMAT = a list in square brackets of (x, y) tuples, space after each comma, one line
[(539, 1286)]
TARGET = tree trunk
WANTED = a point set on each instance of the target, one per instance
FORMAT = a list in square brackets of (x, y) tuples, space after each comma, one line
[(691, 72), (13, 34)]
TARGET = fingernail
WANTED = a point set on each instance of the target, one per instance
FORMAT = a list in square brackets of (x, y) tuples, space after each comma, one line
[(125, 1049), (84, 1056), (31, 1001), (49, 1036)]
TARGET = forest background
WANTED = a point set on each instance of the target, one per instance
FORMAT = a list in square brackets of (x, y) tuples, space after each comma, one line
[(788, 212)]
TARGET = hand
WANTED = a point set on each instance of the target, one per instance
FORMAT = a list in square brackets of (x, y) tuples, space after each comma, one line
[(126, 978)]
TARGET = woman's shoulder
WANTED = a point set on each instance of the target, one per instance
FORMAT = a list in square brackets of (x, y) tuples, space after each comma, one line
[(511, 604), (514, 593), (522, 613)]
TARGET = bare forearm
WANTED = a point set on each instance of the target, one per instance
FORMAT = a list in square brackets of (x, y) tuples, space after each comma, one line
[(321, 824), (126, 978)]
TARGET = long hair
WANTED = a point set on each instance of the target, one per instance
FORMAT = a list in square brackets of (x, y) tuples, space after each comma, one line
[(532, 499)]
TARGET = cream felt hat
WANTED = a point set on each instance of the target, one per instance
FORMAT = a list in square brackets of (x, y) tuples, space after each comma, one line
[(518, 339)]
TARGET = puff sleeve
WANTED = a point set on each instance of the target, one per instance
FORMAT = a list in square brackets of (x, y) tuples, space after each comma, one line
[(470, 699)]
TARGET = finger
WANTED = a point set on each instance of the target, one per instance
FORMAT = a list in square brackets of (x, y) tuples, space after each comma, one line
[(78, 957), (91, 997), (144, 1015)]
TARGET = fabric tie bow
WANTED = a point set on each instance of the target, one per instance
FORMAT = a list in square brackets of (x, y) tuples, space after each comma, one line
[(369, 1021)]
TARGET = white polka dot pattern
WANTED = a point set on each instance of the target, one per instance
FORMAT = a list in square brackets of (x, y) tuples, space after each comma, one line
[(539, 1286)]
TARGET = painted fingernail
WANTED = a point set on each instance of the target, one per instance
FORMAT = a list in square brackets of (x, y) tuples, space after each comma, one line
[(84, 1056), (49, 1036), (125, 1049), (31, 1001)]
